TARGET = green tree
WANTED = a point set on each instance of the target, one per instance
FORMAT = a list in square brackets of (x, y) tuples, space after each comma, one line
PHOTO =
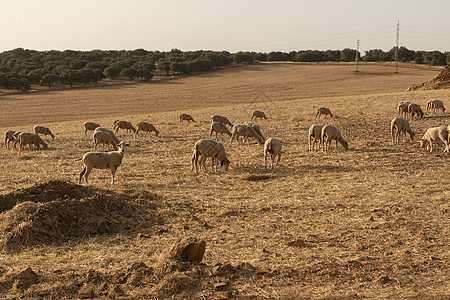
[(112, 72), (242, 57), (129, 72), (49, 79), (144, 74), (164, 65)]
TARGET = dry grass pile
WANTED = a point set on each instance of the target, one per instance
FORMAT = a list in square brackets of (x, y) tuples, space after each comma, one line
[(442, 81), (58, 212)]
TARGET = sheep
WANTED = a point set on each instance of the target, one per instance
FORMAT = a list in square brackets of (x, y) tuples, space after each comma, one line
[(399, 125), (43, 130), (330, 133), (433, 134), (323, 111), (256, 127), (15, 138), (108, 131), (90, 126), (218, 127), (436, 104), (102, 160), (101, 137), (147, 127), (221, 119), (272, 146), (186, 117), (403, 108), (29, 138), (209, 148), (258, 114), (9, 137), (414, 109), (314, 134), (245, 131), (124, 125)]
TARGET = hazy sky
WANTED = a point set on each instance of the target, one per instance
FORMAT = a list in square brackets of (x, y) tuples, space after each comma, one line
[(233, 25)]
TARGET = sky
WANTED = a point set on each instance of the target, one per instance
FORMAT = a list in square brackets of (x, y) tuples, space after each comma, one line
[(232, 25)]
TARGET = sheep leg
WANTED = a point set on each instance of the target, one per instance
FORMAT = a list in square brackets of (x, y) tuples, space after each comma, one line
[(265, 159), (202, 163), (113, 173), (272, 156), (431, 145), (194, 162), (88, 171), (81, 174), (279, 158), (310, 137)]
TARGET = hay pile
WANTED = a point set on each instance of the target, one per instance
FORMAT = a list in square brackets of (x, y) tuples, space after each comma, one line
[(57, 212), (442, 81)]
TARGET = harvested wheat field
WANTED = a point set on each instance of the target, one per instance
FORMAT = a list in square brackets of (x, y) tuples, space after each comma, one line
[(372, 221)]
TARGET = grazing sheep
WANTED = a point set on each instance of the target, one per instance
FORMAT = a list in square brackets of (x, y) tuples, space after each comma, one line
[(186, 117), (218, 127), (147, 127), (9, 137), (90, 126), (102, 160), (29, 138), (272, 146), (124, 125), (257, 129), (434, 134), (399, 125), (330, 133), (323, 111), (209, 148), (314, 134), (15, 138), (108, 131), (221, 119), (258, 114), (43, 130), (246, 132), (436, 104), (414, 109), (403, 108), (104, 138)]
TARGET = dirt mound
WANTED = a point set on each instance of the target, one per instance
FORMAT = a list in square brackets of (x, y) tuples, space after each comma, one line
[(442, 81), (58, 211)]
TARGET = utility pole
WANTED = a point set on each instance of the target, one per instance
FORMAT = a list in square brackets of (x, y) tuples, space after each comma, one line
[(396, 47), (357, 56)]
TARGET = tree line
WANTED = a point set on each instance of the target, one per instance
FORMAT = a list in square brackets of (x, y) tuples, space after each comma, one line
[(20, 68)]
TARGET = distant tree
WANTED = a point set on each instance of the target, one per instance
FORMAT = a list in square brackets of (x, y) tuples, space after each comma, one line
[(260, 56), (20, 84), (278, 56), (34, 77), (129, 72), (348, 54), (373, 55), (164, 65), (87, 76), (112, 72), (49, 79), (438, 59), (243, 57), (144, 74)]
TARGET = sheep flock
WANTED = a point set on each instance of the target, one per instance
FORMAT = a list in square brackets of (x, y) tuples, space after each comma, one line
[(320, 136)]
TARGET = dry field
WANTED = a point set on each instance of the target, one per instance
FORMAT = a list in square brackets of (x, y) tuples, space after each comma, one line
[(372, 221)]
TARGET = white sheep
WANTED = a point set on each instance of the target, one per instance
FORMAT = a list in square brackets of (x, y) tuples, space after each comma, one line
[(9, 137), (146, 127), (101, 137), (25, 138), (329, 133), (272, 146), (257, 129), (246, 132), (90, 126), (218, 127), (314, 134), (15, 138), (221, 119), (436, 104), (434, 134), (102, 160), (258, 114), (186, 117), (399, 125), (124, 125), (108, 131), (323, 111), (403, 108), (414, 109), (43, 130), (209, 148)]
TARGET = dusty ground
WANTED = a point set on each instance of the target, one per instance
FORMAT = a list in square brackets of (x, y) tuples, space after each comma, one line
[(368, 222)]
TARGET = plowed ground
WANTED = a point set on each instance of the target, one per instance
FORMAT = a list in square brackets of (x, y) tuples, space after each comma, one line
[(372, 221)]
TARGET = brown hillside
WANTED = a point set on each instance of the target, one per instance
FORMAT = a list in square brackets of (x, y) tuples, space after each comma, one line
[(442, 81)]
